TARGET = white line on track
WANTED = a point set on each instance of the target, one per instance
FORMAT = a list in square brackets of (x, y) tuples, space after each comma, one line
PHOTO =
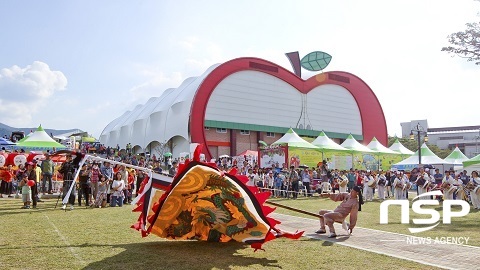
[(72, 249)]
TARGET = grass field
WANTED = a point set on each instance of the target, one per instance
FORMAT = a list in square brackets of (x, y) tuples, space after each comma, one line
[(48, 238), (369, 217)]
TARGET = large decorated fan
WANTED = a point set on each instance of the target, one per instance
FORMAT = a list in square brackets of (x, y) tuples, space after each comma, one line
[(204, 203)]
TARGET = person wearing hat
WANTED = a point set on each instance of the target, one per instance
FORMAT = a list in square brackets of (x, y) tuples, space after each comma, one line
[(350, 205), (47, 167)]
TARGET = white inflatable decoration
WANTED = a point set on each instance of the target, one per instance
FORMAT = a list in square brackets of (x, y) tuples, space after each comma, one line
[(2, 160), (19, 160)]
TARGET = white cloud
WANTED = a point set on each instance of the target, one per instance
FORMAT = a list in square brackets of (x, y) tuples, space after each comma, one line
[(189, 43), (24, 91), (156, 80)]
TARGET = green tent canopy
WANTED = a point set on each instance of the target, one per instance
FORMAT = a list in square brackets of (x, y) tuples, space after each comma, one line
[(472, 161), (456, 158), (39, 141), (89, 139)]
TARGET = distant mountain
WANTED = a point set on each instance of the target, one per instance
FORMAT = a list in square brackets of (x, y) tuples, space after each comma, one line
[(7, 130)]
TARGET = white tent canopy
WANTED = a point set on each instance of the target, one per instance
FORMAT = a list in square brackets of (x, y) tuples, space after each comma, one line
[(427, 158), (326, 144), (376, 146), (456, 158), (398, 147), (353, 145), (293, 140)]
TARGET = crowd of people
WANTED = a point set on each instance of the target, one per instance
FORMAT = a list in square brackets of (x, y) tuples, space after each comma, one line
[(106, 183), (289, 183), (101, 184)]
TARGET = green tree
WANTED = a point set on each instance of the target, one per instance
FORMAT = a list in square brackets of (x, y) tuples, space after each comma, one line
[(466, 44)]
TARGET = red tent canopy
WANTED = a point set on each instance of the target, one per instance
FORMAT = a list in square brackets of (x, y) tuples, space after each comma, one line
[(249, 153)]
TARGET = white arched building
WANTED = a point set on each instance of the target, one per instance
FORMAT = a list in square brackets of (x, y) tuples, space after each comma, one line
[(233, 105)]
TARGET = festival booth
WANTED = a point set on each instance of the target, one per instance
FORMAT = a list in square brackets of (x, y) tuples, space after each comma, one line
[(456, 158), (427, 158), (248, 155), (398, 147), (331, 151), (7, 144), (39, 141), (361, 157), (289, 150), (472, 164), (385, 156), (327, 145)]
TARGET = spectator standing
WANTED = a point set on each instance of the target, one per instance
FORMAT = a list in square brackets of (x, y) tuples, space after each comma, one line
[(250, 175), (172, 170), (67, 170), (169, 163), (269, 179), (32, 175), (47, 168), (134, 160), (438, 177), (140, 178), (294, 178), (6, 185), (84, 184), (117, 191), (124, 172), (278, 182), (107, 171), (464, 177), (306, 180), (94, 178), (351, 179), (131, 178)]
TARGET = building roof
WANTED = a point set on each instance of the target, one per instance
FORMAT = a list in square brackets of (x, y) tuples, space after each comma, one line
[(460, 128)]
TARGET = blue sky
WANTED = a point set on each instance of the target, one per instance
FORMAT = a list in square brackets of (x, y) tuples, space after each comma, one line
[(81, 64)]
